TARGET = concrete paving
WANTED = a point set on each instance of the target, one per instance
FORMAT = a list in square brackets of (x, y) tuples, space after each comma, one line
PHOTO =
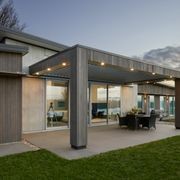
[(14, 148), (100, 139)]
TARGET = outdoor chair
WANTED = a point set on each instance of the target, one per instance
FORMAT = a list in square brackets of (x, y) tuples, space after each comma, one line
[(150, 122), (123, 121)]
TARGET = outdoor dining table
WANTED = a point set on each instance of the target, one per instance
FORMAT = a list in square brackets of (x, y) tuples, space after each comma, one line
[(142, 117), (133, 121)]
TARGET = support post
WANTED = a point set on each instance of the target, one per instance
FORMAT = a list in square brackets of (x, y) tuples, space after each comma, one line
[(78, 94), (157, 102), (177, 103)]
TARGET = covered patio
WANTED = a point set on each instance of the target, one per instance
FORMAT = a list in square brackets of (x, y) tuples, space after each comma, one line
[(81, 64), (100, 139)]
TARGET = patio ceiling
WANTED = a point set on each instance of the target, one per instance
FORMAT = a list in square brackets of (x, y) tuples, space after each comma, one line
[(115, 68)]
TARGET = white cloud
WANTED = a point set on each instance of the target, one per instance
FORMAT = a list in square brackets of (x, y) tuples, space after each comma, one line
[(168, 56)]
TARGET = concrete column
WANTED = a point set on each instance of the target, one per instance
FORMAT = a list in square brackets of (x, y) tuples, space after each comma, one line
[(177, 103), (78, 94), (157, 102)]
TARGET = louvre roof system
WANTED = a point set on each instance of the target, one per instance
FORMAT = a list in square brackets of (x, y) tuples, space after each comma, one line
[(104, 67)]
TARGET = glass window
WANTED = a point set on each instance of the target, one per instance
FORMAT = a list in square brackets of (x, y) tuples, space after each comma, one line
[(151, 103), (162, 103), (114, 102), (172, 106), (105, 99), (99, 103), (140, 101), (57, 103)]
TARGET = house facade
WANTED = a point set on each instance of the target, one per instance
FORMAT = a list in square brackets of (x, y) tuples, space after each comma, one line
[(48, 86)]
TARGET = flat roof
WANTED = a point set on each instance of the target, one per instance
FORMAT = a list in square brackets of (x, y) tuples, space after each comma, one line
[(30, 39)]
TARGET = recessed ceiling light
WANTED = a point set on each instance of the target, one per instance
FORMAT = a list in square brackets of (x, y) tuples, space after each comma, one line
[(49, 69), (64, 64), (153, 73), (37, 73), (102, 63), (132, 69), (147, 82)]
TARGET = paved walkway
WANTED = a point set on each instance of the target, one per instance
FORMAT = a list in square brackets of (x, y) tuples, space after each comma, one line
[(14, 148), (100, 139)]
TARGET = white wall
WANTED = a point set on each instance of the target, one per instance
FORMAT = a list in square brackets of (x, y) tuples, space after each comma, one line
[(33, 104), (128, 98), (34, 55)]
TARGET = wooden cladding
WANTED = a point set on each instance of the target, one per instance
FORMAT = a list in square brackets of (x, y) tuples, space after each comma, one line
[(10, 62), (177, 103), (10, 109), (155, 90)]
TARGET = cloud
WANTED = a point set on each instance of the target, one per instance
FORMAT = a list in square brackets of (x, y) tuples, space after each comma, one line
[(168, 56)]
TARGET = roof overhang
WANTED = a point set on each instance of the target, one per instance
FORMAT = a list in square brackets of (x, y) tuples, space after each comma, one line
[(13, 49), (11, 60), (116, 68), (30, 39)]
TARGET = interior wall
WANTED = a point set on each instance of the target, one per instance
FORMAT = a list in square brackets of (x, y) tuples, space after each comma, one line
[(128, 98), (33, 104)]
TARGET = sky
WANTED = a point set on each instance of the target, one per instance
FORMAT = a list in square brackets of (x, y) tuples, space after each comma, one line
[(126, 27)]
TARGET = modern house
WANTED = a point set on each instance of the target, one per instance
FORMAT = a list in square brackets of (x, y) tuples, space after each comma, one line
[(48, 86)]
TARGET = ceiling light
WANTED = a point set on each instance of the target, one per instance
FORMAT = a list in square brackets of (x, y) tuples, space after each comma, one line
[(37, 73), (147, 82), (153, 73), (49, 69), (63, 64), (132, 69), (102, 63), (170, 76)]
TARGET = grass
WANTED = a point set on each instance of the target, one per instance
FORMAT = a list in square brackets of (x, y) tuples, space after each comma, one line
[(156, 160)]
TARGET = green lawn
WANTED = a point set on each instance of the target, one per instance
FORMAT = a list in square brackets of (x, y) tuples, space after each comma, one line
[(156, 160)]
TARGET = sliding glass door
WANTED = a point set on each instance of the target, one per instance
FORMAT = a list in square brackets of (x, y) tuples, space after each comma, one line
[(162, 103), (171, 106), (98, 103), (114, 103), (57, 103), (151, 103), (104, 103)]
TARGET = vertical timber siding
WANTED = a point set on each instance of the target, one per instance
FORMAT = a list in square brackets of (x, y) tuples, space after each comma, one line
[(10, 109), (177, 103), (10, 62), (155, 90)]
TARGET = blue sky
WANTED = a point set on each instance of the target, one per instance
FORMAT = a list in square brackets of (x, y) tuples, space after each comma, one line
[(127, 27)]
